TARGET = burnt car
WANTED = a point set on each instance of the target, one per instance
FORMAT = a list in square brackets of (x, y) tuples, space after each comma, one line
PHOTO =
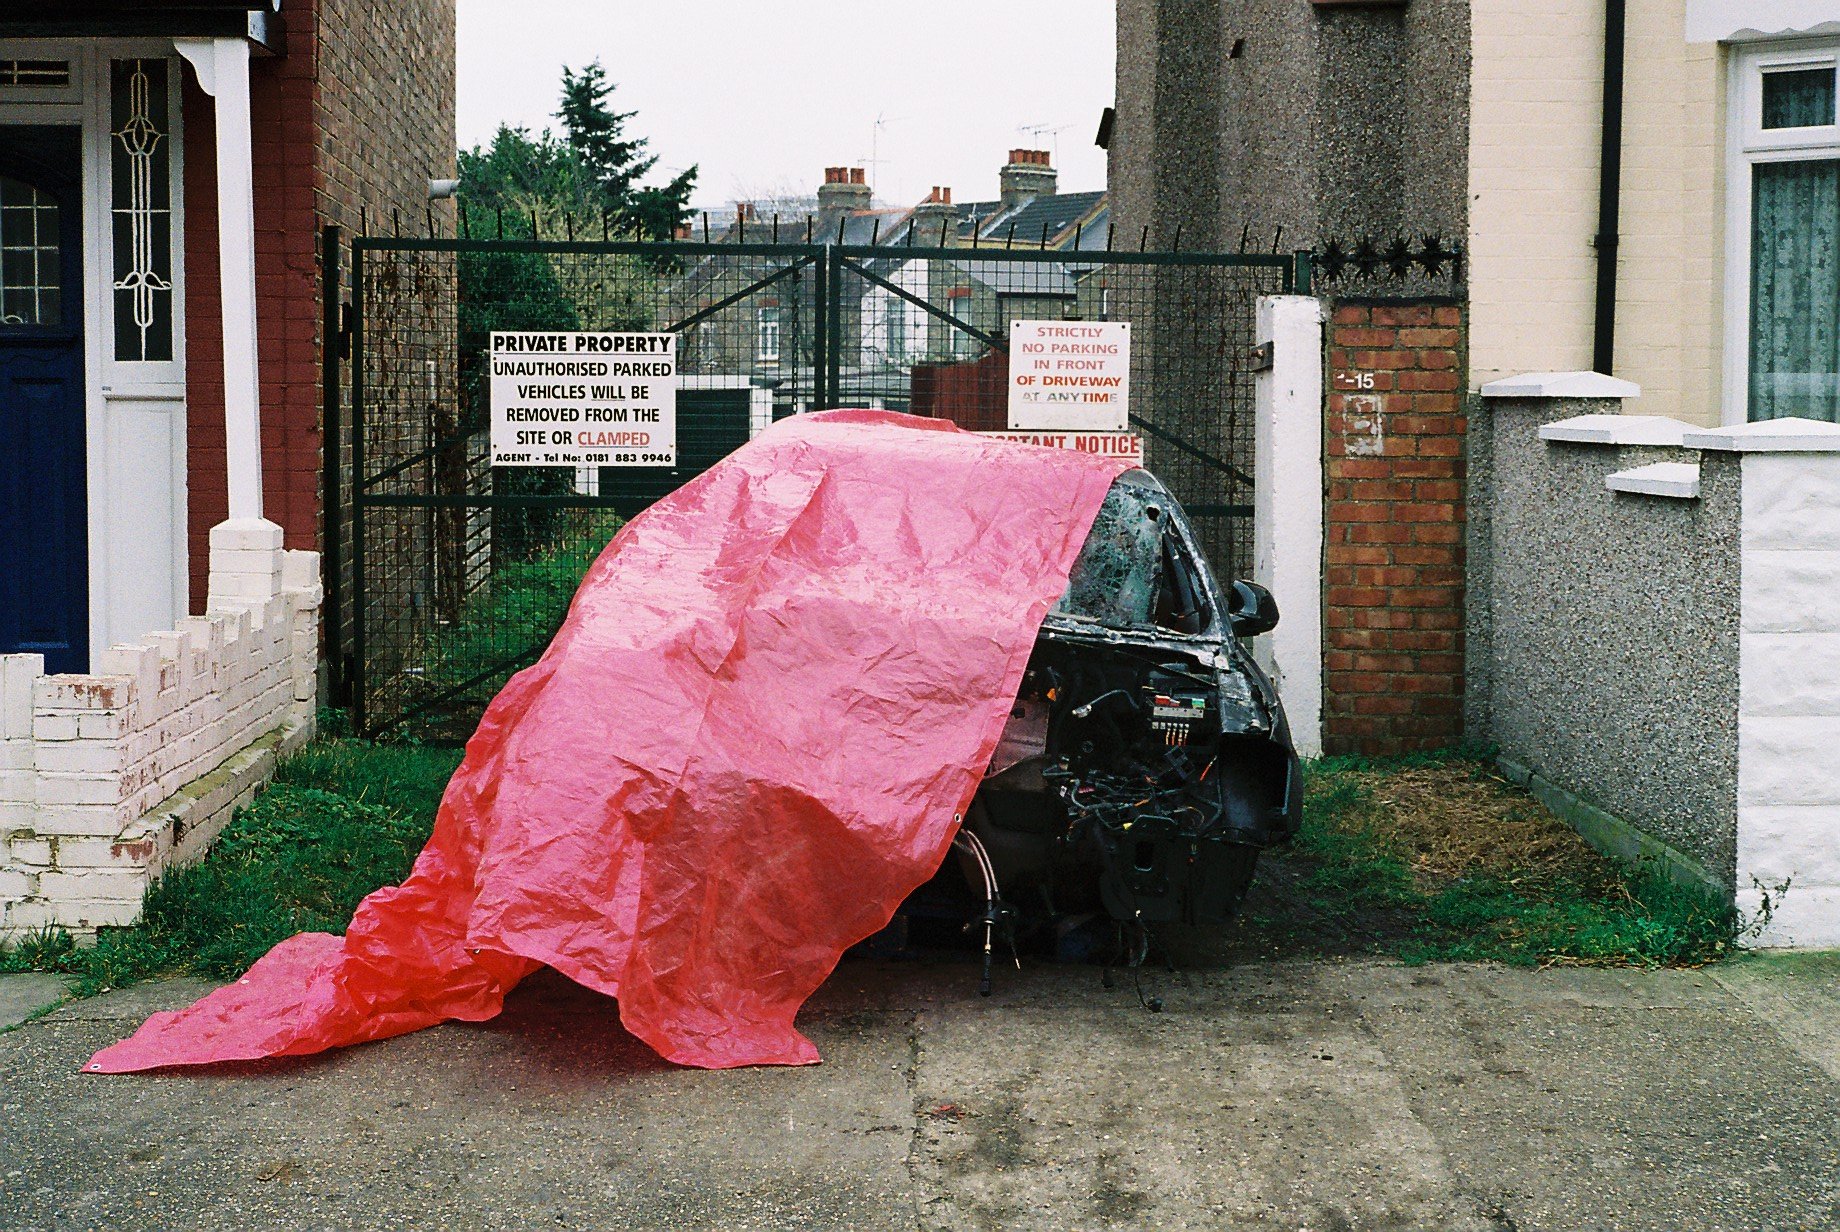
[(1146, 761)]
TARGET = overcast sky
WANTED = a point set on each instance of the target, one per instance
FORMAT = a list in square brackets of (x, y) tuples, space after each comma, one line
[(763, 95)]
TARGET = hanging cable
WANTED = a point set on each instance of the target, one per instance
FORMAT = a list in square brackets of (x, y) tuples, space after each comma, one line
[(974, 847)]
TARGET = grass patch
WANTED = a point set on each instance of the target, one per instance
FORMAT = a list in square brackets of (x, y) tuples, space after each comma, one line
[(501, 628), (1463, 865), (1430, 858), (342, 818)]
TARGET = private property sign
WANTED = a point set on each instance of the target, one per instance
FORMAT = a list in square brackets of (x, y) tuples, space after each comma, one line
[(1070, 375), (583, 399)]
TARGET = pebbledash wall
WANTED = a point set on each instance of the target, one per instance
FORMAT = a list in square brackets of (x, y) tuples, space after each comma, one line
[(1654, 643), (108, 778), (1638, 613)]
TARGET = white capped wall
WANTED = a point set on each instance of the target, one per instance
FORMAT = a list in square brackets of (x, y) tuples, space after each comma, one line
[(1789, 691)]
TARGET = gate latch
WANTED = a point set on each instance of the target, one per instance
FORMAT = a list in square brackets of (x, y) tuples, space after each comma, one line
[(1260, 357)]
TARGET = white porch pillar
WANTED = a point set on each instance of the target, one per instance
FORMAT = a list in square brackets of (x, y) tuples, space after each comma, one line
[(222, 65), (1287, 507)]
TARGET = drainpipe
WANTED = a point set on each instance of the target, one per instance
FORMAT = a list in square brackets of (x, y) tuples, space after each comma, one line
[(1609, 187)]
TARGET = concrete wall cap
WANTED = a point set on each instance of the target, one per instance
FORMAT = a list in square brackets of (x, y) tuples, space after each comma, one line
[(1730, 21), (1617, 430), (1561, 385), (1676, 479), (1788, 435)]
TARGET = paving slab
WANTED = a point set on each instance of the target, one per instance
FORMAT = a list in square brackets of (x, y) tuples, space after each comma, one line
[(1797, 994), (26, 995), (1321, 1095)]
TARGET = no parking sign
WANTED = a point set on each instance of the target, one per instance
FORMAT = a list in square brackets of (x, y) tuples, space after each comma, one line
[(1070, 375)]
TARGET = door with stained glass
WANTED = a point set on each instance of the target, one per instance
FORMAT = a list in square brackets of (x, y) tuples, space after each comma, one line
[(44, 566)]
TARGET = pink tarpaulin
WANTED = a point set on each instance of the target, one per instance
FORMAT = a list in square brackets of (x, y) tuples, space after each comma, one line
[(774, 694)]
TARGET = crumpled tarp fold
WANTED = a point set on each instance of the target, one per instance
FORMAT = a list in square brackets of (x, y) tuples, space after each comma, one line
[(774, 695)]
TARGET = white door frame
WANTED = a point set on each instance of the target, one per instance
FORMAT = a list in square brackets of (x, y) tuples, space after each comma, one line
[(139, 575)]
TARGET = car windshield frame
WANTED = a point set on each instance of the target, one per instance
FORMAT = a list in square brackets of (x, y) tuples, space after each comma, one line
[(1121, 579)]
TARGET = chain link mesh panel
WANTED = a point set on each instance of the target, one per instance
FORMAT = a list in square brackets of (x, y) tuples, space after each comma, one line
[(459, 572)]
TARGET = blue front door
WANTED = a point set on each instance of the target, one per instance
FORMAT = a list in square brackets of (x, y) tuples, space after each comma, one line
[(44, 545)]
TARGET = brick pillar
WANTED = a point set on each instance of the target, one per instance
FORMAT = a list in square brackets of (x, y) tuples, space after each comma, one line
[(1394, 521)]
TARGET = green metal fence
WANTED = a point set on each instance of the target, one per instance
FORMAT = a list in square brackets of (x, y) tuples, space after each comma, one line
[(445, 575)]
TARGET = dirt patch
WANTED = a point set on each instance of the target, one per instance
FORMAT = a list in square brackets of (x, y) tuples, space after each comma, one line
[(1461, 818), (1438, 858)]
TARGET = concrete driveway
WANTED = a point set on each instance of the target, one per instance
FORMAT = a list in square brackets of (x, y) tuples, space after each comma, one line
[(1323, 1095)]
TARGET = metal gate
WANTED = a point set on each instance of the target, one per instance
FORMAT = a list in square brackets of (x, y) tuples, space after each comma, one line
[(445, 575)]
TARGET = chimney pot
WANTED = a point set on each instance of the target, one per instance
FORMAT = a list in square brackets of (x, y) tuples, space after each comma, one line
[(1030, 174), (844, 191), (934, 220)]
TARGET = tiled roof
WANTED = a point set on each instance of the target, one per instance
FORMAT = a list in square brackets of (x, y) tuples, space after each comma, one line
[(1049, 216), (1064, 214)]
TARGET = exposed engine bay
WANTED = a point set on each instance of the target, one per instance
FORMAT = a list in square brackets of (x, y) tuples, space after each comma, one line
[(1131, 781), (1146, 760)]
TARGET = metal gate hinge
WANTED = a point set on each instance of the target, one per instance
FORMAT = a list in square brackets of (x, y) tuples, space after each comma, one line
[(1260, 357)]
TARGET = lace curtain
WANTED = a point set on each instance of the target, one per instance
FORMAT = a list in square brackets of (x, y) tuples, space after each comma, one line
[(1795, 274)]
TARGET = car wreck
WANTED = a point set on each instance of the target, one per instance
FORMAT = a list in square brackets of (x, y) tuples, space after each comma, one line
[(780, 697), (1146, 761)]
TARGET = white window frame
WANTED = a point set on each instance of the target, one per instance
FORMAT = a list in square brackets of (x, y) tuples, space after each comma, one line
[(158, 372), (962, 344), (1748, 144), (71, 92), (904, 328), (767, 323)]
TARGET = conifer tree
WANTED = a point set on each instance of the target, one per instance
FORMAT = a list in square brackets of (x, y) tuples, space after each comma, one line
[(592, 169), (615, 163)]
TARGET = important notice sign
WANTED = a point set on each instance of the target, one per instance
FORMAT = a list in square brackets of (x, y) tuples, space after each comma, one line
[(584, 399), (1126, 445), (1070, 375)]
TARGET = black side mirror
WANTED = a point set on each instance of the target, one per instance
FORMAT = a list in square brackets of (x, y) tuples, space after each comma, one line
[(1251, 609)]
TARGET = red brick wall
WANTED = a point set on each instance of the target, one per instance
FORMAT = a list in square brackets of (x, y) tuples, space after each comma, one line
[(386, 106), (207, 483), (358, 114), (287, 306), (1393, 560)]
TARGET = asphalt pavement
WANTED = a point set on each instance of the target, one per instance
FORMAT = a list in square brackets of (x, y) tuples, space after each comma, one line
[(1323, 1094)]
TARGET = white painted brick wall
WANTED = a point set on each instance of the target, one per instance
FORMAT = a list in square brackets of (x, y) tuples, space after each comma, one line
[(1789, 695), (90, 764)]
